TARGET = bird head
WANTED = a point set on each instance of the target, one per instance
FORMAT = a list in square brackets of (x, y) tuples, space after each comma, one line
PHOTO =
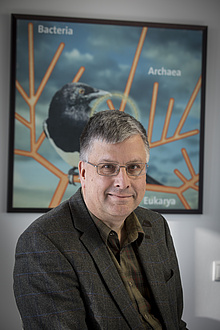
[(85, 93), (75, 97)]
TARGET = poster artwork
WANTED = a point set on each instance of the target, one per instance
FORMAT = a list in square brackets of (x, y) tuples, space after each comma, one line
[(64, 70)]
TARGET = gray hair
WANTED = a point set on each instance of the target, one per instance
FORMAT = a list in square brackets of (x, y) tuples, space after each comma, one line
[(110, 126)]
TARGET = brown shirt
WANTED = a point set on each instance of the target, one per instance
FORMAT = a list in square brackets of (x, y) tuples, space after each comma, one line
[(129, 267)]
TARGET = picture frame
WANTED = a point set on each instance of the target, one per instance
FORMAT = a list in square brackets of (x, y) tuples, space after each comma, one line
[(154, 71)]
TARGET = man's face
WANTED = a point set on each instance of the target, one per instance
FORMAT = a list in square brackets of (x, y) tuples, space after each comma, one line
[(113, 198)]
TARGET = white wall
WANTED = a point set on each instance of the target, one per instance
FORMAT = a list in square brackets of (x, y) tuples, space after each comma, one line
[(197, 237)]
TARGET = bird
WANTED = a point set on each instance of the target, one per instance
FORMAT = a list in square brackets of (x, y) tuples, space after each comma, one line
[(69, 111)]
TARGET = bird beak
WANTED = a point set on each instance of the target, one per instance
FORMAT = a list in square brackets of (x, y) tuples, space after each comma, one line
[(102, 93), (98, 93)]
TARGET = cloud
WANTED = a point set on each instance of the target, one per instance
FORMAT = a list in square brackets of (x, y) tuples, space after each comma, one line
[(75, 55)]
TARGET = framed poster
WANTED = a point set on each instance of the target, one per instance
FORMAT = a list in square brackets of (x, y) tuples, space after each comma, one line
[(154, 71)]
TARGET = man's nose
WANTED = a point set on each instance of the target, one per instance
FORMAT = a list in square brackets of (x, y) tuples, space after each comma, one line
[(122, 179)]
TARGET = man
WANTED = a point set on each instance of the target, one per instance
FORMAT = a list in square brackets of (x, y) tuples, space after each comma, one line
[(99, 261)]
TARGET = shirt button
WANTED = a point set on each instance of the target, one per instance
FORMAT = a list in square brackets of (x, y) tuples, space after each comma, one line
[(130, 283)]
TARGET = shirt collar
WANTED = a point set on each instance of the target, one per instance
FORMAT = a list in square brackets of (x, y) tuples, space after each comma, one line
[(132, 226)]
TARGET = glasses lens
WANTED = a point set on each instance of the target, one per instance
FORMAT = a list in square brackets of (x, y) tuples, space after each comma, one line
[(107, 169), (135, 169)]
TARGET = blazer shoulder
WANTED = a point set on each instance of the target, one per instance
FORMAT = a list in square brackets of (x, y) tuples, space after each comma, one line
[(54, 219), (60, 218)]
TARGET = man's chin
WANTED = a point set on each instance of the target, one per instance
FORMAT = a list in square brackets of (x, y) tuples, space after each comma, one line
[(121, 210)]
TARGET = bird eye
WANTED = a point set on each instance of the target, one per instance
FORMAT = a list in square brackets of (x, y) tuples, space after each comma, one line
[(81, 91)]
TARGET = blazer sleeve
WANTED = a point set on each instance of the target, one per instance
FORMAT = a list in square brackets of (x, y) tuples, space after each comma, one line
[(175, 267), (45, 285)]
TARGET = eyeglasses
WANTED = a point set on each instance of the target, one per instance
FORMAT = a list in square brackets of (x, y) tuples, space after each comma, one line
[(110, 169)]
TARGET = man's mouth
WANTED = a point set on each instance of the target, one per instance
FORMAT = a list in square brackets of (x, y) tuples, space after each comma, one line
[(120, 196)]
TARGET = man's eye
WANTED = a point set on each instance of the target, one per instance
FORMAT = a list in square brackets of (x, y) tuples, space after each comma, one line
[(108, 166), (134, 167)]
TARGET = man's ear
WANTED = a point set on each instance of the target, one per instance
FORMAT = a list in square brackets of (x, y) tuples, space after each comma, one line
[(82, 172)]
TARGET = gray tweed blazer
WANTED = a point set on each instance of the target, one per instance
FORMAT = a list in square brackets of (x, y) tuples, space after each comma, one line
[(64, 277)]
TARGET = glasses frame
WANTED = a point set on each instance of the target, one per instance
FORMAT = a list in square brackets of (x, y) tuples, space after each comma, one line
[(118, 168)]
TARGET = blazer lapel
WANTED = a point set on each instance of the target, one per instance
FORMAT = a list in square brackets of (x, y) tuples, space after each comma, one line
[(150, 259)]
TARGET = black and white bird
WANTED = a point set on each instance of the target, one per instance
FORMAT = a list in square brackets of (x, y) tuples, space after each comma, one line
[(69, 111)]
